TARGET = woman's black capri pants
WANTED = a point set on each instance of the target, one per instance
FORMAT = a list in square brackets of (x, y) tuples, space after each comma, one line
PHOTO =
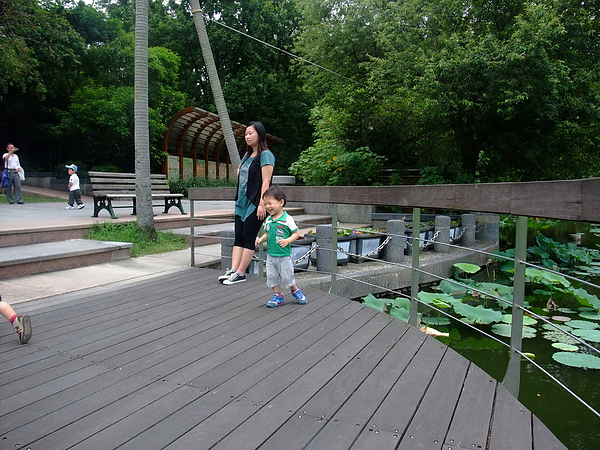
[(246, 231)]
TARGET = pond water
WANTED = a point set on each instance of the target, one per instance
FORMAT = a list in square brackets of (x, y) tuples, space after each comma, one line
[(574, 424)]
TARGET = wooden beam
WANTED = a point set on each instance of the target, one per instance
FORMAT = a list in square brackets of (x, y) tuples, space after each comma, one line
[(576, 200)]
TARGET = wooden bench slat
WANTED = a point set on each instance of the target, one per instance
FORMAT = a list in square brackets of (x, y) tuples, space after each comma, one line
[(108, 186)]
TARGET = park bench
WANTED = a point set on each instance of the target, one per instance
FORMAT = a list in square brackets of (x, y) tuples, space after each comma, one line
[(109, 186)]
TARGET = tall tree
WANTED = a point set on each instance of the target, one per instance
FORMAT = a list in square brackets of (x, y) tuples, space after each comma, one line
[(215, 84), (145, 214)]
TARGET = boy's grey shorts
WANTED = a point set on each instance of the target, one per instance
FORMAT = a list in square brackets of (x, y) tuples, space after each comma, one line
[(280, 271)]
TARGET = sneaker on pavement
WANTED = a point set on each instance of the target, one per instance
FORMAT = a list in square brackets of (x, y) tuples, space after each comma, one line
[(235, 278), (299, 296), (277, 300), (23, 328), (80, 206), (227, 274), (70, 207)]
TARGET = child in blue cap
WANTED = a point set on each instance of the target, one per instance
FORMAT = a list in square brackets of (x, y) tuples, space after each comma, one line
[(74, 189)]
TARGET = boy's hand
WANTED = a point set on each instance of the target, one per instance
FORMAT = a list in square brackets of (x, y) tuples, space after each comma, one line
[(257, 242), (284, 243)]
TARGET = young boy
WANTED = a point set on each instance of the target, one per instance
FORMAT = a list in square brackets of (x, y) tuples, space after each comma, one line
[(74, 190), (22, 324), (280, 232)]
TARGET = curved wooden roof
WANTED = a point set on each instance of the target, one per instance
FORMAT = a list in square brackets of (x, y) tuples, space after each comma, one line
[(195, 133)]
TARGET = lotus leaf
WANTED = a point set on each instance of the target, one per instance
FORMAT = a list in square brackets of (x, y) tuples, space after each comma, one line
[(577, 360), (565, 347), (550, 327), (567, 311), (557, 336), (454, 289), (507, 318), (588, 335), (503, 329), (583, 324), (477, 314), (436, 299), (436, 320), (541, 276), (399, 313), (468, 268), (402, 302), (561, 318), (592, 315), (585, 298), (376, 303)]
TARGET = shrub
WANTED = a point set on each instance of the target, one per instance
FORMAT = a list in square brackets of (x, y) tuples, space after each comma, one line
[(179, 186), (327, 163)]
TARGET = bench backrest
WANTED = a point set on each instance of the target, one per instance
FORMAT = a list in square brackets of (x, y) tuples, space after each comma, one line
[(124, 183)]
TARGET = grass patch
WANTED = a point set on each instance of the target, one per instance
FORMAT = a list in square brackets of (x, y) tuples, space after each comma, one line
[(34, 199), (142, 245)]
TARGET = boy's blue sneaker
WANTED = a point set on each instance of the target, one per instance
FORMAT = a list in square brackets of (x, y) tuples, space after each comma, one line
[(277, 300), (299, 296)]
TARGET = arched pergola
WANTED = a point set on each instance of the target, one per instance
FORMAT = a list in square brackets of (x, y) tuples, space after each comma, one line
[(195, 133)]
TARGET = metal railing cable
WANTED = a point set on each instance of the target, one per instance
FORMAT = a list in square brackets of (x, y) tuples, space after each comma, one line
[(488, 294)]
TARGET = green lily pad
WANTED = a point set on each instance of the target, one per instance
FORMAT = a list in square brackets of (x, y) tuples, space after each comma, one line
[(561, 318), (399, 313), (503, 329), (592, 315), (567, 311), (565, 347), (583, 324), (436, 320), (477, 314), (468, 268), (549, 327), (376, 303), (588, 335), (577, 360), (557, 336), (437, 299), (507, 318)]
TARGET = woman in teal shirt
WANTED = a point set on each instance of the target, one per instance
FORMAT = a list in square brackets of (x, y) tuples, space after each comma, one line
[(254, 178)]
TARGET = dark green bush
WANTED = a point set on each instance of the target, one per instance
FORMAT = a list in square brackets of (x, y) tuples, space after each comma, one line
[(178, 186)]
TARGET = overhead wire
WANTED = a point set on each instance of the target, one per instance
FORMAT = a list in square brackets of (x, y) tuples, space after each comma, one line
[(281, 50)]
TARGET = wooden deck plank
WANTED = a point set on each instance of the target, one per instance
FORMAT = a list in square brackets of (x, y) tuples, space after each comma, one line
[(472, 417), (240, 378), (181, 361), (132, 424), (511, 423), (356, 392)]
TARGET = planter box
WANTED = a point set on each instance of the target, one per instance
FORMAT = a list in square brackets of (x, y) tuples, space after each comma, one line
[(299, 248), (425, 233), (343, 242), (364, 244)]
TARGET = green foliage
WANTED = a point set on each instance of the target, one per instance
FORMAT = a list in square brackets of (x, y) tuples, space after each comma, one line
[(328, 164), (142, 242), (179, 186)]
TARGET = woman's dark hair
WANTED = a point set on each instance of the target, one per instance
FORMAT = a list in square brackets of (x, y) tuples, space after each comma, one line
[(276, 192), (262, 137)]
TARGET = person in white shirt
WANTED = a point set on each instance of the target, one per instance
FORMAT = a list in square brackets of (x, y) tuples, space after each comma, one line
[(74, 189), (11, 162)]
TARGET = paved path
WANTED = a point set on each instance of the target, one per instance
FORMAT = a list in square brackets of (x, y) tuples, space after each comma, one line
[(41, 215)]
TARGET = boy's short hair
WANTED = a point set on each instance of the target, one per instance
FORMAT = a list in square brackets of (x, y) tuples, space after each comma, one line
[(276, 192)]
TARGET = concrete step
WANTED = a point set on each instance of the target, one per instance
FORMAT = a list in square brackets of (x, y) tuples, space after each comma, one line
[(33, 259)]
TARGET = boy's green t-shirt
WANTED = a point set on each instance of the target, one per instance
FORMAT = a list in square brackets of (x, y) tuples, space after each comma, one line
[(278, 229)]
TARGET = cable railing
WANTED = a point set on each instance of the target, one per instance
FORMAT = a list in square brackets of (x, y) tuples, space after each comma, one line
[(462, 196)]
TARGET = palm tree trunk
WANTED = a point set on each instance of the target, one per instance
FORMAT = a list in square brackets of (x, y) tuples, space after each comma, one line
[(213, 78), (145, 214)]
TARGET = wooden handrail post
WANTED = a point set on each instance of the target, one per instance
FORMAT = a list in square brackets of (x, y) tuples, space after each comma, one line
[(512, 378), (414, 287)]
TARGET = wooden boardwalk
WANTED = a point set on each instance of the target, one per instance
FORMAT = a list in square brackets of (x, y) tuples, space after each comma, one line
[(182, 362)]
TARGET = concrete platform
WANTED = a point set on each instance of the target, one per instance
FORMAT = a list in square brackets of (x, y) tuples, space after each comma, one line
[(47, 257)]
